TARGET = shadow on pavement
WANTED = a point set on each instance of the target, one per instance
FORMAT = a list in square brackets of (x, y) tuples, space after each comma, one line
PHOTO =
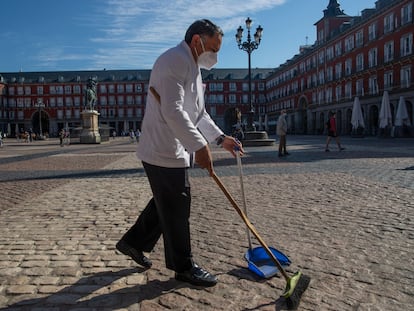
[(77, 294)]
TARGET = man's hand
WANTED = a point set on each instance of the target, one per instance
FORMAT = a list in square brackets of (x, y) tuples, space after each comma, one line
[(232, 145), (204, 159)]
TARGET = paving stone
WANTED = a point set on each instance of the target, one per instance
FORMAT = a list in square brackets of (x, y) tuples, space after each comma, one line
[(343, 218)]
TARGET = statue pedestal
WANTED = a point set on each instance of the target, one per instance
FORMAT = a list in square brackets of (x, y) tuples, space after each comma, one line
[(90, 130)]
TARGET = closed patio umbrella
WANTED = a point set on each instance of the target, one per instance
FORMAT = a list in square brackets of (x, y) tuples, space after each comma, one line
[(401, 117), (385, 118), (357, 119)]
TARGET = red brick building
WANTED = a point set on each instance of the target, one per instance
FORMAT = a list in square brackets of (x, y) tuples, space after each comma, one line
[(353, 56)]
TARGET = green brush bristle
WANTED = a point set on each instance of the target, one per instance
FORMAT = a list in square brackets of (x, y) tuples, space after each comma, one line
[(295, 287)]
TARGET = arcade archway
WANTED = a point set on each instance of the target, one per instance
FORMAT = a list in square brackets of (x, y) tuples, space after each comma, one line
[(42, 121)]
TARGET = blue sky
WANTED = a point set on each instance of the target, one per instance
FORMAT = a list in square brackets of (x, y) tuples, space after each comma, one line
[(52, 35)]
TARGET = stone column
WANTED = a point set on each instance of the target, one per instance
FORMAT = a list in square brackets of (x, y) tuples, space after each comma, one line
[(90, 131)]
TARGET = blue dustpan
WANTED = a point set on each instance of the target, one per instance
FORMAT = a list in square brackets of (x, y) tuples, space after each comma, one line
[(260, 263)]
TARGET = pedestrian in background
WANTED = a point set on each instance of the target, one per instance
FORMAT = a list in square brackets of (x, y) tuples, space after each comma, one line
[(332, 133), (281, 131), (176, 124)]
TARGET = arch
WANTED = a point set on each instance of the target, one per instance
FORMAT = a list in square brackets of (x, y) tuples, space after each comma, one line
[(302, 115), (321, 127), (373, 118), (44, 121), (339, 122), (348, 124)]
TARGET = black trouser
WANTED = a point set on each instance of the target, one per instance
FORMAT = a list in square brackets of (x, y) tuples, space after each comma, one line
[(282, 143), (167, 213)]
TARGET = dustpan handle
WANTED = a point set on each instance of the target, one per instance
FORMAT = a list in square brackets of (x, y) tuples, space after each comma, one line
[(249, 225), (239, 165)]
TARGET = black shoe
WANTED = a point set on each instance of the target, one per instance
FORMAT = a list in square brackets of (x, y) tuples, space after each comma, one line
[(342, 148), (197, 276), (326, 150), (136, 255), (287, 153), (280, 155)]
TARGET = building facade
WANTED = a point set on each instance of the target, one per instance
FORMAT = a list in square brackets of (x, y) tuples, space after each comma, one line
[(361, 56), (353, 56)]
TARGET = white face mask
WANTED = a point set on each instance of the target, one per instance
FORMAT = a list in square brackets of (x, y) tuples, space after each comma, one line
[(207, 59)]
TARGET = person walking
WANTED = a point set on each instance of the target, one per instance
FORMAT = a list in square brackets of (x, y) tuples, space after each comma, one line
[(281, 131), (176, 125), (332, 133)]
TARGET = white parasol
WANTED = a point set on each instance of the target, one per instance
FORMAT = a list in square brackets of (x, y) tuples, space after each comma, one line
[(401, 117), (357, 119), (385, 118)]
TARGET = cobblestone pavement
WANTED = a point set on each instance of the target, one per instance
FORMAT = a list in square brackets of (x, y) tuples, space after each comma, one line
[(344, 218)]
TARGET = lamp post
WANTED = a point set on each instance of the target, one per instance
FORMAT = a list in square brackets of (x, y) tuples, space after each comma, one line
[(40, 105), (249, 46)]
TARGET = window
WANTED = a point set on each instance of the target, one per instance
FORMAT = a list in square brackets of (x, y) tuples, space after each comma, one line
[(233, 86), (111, 100), (407, 14), (219, 87), (388, 80), (27, 90), (338, 92), (232, 99), (68, 101), (373, 85), (360, 62), (329, 73), (348, 90), (329, 53), (406, 45), (76, 89), (328, 95), (348, 66), (121, 88), (68, 89), (111, 88), (138, 88), (76, 101), (103, 100), (261, 86), (373, 57), (389, 51), (321, 77), (40, 90), (120, 100), (406, 77), (338, 49), (372, 31), (359, 36), (389, 23), (321, 57), (129, 88), (130, 100), (359, 87), (349, 43), (245, 86)]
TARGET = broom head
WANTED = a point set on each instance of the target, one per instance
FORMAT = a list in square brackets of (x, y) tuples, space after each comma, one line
[(295, 287)]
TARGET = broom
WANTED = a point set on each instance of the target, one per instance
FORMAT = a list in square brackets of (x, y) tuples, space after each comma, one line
[(296, 284)]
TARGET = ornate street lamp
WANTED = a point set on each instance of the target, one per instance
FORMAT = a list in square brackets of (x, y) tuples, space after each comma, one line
[(249, 46), (40, 105)]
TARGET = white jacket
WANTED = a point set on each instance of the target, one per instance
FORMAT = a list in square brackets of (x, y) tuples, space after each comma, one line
[(179, 125)]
